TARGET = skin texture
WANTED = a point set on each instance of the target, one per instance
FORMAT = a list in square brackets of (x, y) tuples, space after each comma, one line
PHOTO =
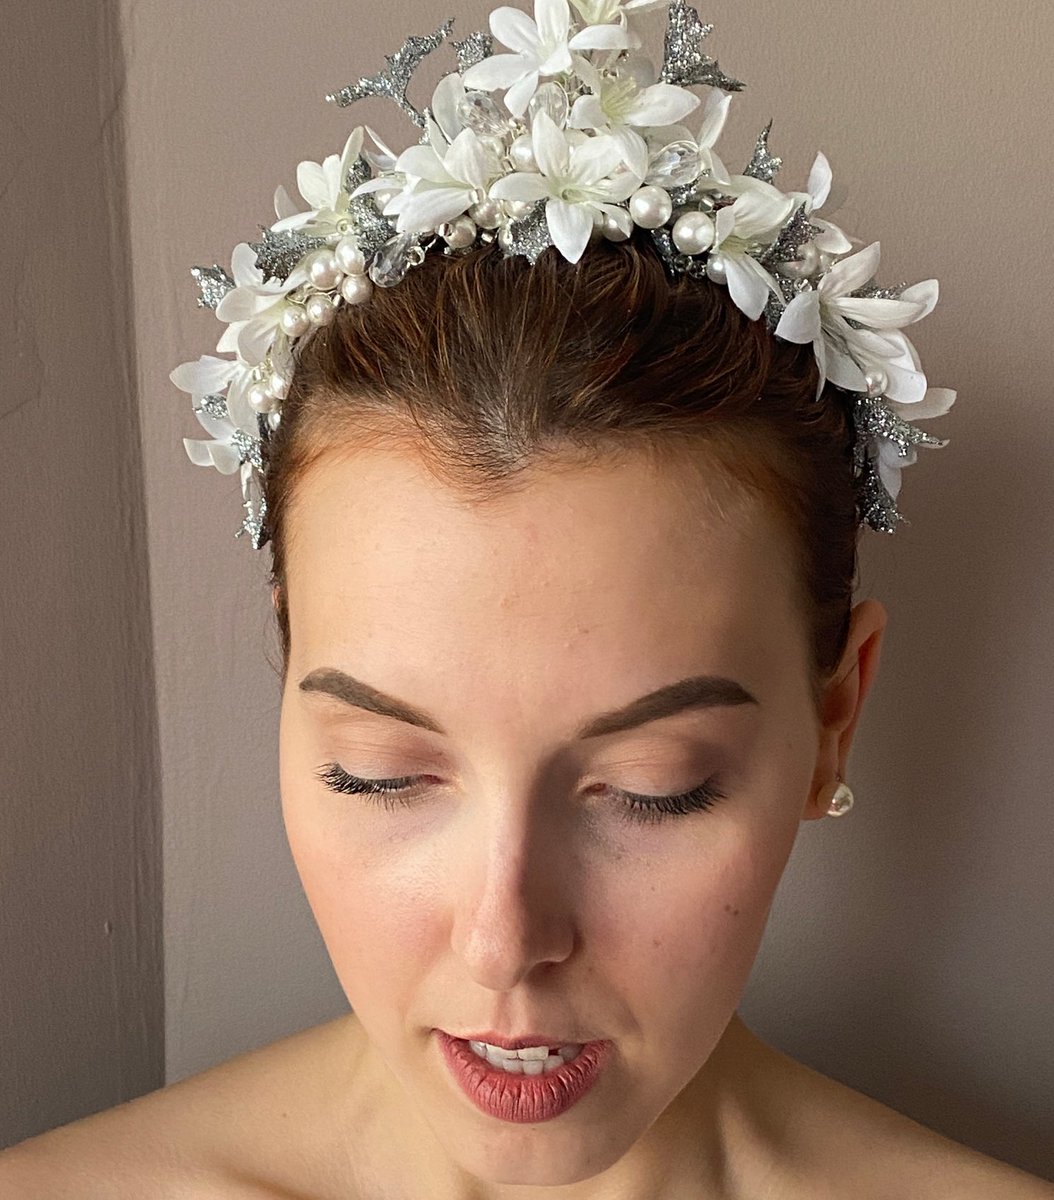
[(514, 893)]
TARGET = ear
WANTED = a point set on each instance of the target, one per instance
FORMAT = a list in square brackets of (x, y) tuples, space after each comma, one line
[(842, 700)]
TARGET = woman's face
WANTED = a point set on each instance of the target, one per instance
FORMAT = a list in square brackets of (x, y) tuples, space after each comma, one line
[(513, 888)]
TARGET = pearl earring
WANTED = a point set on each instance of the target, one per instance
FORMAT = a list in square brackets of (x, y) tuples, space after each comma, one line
[(841, 800)]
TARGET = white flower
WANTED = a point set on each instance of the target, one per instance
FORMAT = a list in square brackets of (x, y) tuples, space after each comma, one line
[(752, 221), (844, 353), (322, 186), (621, 98), (211, 376), (601, 12), (540, 47), (578, 177), (252, 307), (443, 185)]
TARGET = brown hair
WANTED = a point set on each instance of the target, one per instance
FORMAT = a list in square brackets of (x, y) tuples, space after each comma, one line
[(489, 365)]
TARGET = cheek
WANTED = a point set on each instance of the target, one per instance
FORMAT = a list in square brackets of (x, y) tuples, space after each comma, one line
[(685, 933)]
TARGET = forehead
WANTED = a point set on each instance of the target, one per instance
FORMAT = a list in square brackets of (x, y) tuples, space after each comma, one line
[(631, 559)]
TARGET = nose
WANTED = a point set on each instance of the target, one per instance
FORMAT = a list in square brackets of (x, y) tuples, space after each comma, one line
[(513, 889)]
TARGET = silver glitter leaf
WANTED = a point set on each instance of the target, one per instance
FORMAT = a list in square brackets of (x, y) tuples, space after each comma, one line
[(528, 235), (393, 80), (255, 505), (248, 447), (763, 165), (876, 507), (474, 49), (214, 283), (279, 253), (372, 228), (214, 406), (359, 171), (684, 63), (794, 234), (872, 419)]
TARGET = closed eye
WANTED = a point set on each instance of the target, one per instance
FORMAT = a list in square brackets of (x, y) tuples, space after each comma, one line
[(399, 793)]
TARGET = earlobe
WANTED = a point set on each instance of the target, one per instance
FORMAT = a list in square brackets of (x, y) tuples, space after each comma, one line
[(843, 702)]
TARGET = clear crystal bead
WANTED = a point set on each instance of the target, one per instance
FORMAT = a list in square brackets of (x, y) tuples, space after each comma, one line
[(479, 112), (674, 165), (392, 260), (551, 98)]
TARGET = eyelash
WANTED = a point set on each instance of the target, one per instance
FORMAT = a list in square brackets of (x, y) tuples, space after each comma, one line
[(644, 810)]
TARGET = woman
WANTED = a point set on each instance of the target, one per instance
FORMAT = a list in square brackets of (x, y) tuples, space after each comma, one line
[(563, 563)]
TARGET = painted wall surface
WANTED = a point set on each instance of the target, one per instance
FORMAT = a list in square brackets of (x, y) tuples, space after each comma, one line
[(81, 1022), (909, 951)]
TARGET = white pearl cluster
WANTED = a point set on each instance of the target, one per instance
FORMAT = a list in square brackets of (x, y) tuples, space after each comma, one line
[(342, 270)]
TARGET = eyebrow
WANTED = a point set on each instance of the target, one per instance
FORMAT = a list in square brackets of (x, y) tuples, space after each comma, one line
[(697, 692)]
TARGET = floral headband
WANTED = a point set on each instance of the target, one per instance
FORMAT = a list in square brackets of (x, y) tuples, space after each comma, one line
[(586, 143)]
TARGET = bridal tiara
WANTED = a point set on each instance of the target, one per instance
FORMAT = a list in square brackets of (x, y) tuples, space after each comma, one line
[(586, 142)]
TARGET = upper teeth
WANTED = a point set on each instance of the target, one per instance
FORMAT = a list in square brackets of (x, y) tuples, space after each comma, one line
[(529, 1060)]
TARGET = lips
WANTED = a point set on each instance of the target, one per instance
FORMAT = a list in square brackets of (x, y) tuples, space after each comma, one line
[(518, 1043)]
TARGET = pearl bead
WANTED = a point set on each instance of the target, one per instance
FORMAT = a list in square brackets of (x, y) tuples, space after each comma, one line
[(323, 270), (716, 269), (261, 399), (486, 214), (320, 309), (382, 196), (876, 381), (459, 233), (277, 387), (841, 802), (808, 259), (356, 289), (693, 233), (826, 261), (618, 229), (274, 419), (349, 257), (518, 208), (521, 154), (650, 207), (294, 321)]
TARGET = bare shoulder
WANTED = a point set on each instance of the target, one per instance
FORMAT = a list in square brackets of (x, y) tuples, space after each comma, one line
[(862, 1148), (229, 1133)]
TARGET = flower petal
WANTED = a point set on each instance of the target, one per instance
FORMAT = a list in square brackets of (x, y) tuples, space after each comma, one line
[(431, 207), (587, 113), (516, 30), (935, 403), (714, 115), (520, 185), (819, 184), (570, 226), (661, 104), (876, 312), (551, 151), (800, 321), (594, 159), (748, 284), (312, 184), (604, 37), (496, 71), (449, 90), (849, 274), (519, 95), (925, 293), (208, 376)]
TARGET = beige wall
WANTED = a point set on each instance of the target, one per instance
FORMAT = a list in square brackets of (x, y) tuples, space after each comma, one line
[(909, 952)]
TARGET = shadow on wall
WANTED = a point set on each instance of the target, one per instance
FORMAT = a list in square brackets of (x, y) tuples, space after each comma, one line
[(81, 1021)]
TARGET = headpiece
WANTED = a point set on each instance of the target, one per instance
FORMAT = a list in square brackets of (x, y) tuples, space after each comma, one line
[(586, 142)]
